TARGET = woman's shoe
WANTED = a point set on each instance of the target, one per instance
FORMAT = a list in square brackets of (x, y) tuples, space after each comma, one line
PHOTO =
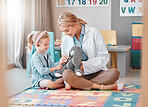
[(120, 85)]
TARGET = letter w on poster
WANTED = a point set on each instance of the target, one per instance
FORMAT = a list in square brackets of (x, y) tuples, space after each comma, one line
[(131, 7)]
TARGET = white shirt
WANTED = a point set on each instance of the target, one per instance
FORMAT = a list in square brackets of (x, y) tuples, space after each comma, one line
[(93, 46)]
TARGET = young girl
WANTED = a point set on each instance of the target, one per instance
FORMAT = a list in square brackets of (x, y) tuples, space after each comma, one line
[(42, 64), (30, 42)]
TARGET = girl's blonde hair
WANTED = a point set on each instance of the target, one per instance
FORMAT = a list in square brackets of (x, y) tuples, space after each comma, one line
[(68, 19), (31, 39)]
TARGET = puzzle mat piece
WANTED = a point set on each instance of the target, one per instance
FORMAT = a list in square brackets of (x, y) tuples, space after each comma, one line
[(46, 102), (92, 90), (85, 103), (123, 99), (31, 96), (132, 86), (129, 90), (132, 97), (63, 89), (41, 91), (138, 102), (120, 104), (23, 101), (83, 93), (88, 98)]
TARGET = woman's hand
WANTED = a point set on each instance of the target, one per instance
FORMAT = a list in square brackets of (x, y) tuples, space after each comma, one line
[(64, 59)]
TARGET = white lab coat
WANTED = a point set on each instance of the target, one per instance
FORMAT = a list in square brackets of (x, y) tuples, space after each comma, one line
[(93, 46)]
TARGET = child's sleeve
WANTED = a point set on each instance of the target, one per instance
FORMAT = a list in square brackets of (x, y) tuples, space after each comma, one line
[(37, 64), (52, 64)]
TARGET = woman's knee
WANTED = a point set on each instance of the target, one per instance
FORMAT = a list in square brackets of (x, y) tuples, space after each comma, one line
[(67, 74), (115, 73)]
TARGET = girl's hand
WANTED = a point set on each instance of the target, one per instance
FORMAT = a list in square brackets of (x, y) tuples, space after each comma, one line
[(59, 67), (63, 59)]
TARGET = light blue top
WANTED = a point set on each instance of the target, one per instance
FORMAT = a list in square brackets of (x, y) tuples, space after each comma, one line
[(79, 43), (40, 70)]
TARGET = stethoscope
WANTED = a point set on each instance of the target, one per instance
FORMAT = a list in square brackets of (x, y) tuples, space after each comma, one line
[(48, 65)]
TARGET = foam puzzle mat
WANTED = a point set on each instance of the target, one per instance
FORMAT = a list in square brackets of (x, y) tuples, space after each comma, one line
[(129, 97)]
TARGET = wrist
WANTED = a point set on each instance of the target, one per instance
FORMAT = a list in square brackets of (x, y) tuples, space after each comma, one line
[(60, 63), (82, 67)]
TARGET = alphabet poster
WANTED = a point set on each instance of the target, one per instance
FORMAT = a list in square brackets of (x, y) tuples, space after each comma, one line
[(131, 7)]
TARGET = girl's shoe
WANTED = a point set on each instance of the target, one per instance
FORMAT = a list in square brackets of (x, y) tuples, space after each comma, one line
[(67, 86), (58, 75)]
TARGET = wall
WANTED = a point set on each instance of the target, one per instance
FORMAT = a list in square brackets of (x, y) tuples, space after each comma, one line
[(98, 17), (121, 24), (3, 91)]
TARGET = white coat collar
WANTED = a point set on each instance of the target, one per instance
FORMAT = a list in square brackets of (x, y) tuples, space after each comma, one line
[(86, 30)]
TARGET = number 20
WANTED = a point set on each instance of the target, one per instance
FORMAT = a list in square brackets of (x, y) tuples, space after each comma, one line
[(103, 2)]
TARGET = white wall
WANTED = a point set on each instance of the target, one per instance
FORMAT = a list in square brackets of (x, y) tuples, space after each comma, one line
[(98, 17)]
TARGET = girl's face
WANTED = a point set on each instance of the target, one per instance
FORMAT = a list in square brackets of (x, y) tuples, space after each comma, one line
[(44, 45), (70, 30)]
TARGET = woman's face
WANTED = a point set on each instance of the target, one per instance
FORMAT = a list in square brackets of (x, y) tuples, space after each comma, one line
[(70, 30)]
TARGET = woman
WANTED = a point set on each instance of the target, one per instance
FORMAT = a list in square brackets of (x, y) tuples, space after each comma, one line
[(94, 55)]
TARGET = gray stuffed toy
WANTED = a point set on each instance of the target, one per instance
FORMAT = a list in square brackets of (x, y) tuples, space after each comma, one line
[(74, 63)]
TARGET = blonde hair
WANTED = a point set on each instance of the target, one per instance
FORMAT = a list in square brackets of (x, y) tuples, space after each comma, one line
[(31, 39), (68, 19)]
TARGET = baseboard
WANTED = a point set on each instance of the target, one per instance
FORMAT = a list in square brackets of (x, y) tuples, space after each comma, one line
[(11, 66)]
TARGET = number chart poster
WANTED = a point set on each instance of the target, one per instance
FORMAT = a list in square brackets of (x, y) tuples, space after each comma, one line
[(131, 7), (82, 3)]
